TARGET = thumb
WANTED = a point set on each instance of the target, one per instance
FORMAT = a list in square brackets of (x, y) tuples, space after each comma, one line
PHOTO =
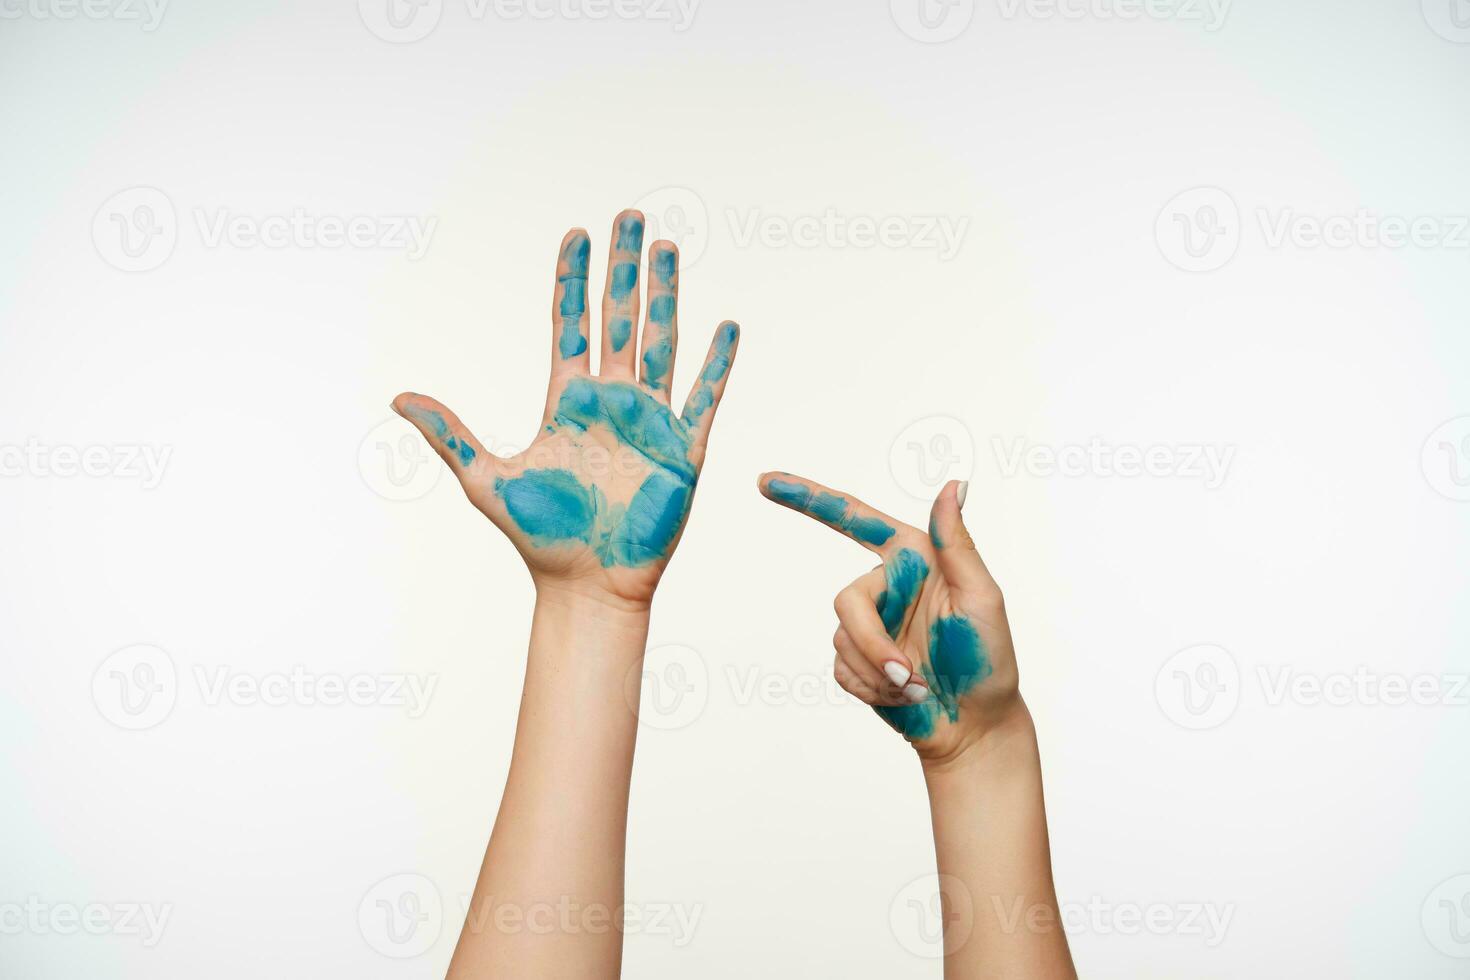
[(455, 443), (959, 561)]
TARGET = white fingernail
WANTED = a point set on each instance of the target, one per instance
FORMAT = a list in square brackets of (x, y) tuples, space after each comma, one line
[(897, 673), (960, 491), (917, 693)]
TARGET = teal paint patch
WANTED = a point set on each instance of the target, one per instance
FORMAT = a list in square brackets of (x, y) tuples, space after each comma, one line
[(551, 506), (719, 363), (432, 419), (869, 529), (957, 661), (904, 573), (656, 361), (792, 494), (665, 263), (624, 280), (651, 521), (619, 332), (661, 310), (699, 403), (913, 721), (633, 416), (574, 298), (630, 234), (829, 507), (934, 535)]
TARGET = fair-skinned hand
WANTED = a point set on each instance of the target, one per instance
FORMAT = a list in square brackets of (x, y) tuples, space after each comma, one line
[(598, 501), (923, 638)]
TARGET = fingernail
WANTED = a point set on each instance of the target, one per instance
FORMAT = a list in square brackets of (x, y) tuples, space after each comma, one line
[(960, 492), (897, 673), (917, 693)]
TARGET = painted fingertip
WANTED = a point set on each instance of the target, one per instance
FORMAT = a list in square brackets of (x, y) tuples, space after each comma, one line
[(916, 693), (897, 673), (961, 492)]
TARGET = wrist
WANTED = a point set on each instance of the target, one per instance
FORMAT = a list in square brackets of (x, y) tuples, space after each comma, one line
[(1005, 746)]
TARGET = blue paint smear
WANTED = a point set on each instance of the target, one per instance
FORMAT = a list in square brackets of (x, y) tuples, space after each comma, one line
[(664, 265), (661, 310), (934, 534), (957, 662), (630, 234), (432, 419), (574, 298), (869, 529), (905, 573), (651, 521), (624, 279), (619, 331), (656, 363), (720, 362), (631, 414), (551, 506), (792, 494), (829, 507), (699, 403), (466, 453)]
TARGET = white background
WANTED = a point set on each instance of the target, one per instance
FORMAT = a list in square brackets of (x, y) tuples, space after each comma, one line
[(1071, 148)]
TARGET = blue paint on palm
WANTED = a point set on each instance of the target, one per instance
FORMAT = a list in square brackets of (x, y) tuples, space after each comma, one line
[(957, 662), (574, 298), (632, 534)]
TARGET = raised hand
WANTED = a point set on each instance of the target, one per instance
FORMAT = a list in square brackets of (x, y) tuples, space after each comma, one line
[(923, 638), (599, 499)]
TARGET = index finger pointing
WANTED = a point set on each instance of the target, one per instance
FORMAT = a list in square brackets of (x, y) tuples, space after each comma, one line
[(866, 525)]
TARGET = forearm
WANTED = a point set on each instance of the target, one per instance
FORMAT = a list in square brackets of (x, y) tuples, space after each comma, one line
[(1000, 904), (551, 886)]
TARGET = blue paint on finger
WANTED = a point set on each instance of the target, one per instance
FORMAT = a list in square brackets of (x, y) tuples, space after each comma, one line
[(665, 263), (574, 297), (796, 495), (630, 234), (719, 362), (904, 574), (624, 280), (619, 332)]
